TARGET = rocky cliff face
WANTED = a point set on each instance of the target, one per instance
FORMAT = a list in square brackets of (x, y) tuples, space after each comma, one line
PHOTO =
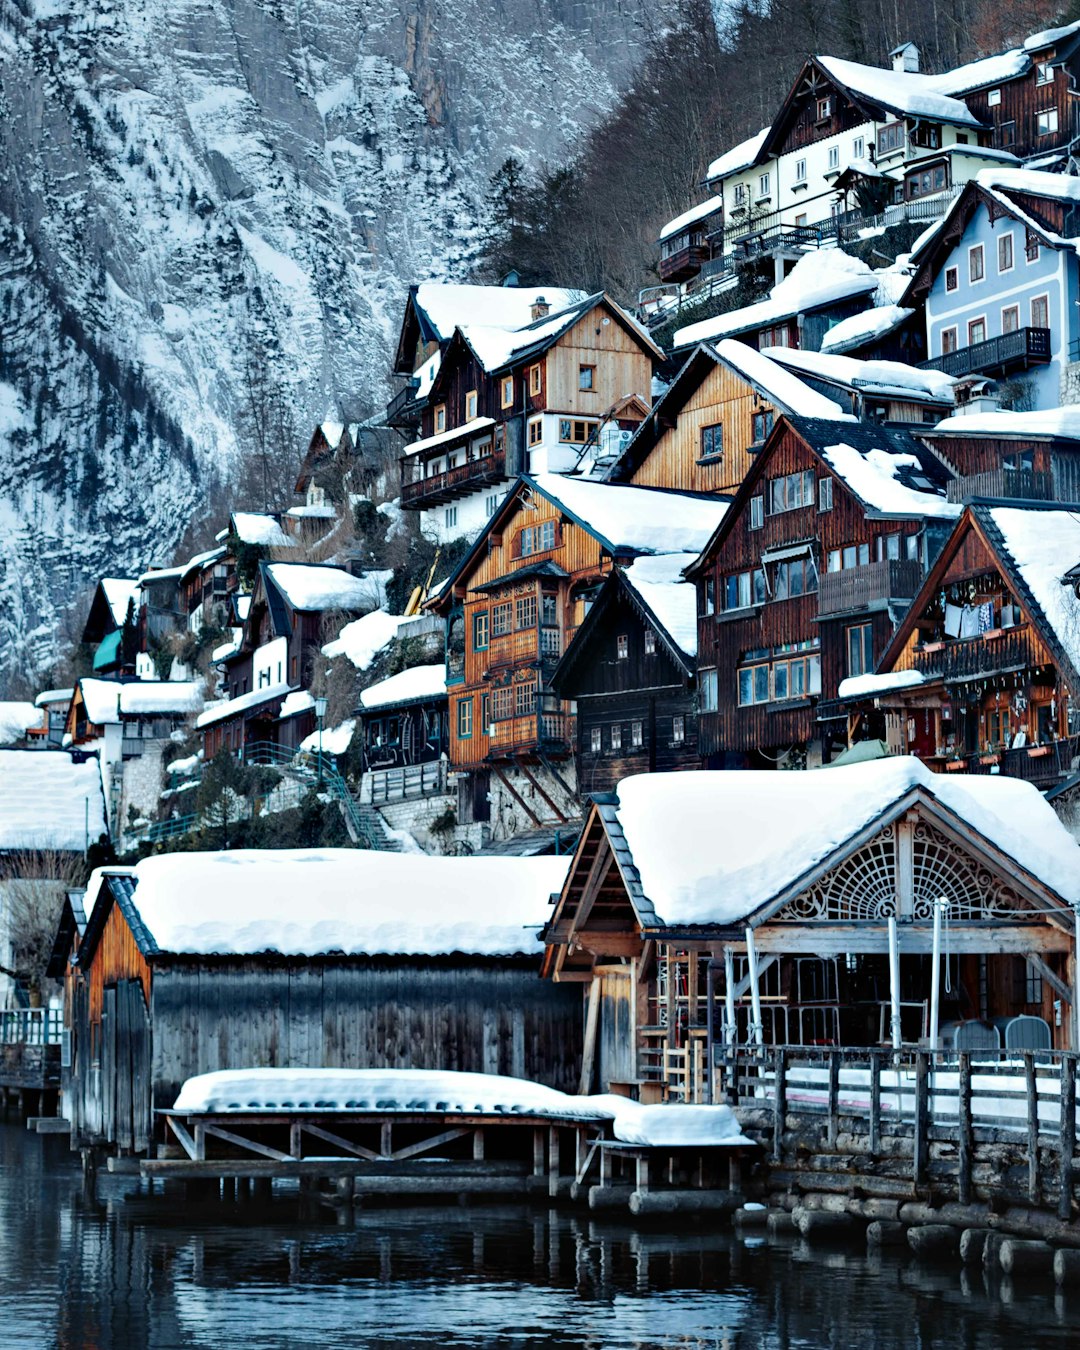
[(204, 200)]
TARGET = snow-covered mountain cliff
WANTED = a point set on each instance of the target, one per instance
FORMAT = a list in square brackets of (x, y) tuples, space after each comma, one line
[(199, 198)]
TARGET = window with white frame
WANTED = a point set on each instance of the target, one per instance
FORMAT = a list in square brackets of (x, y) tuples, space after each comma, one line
[(596, 743), (790, 491), (858, 148), (450, 517), (650, 641), (976, 263), (1005, 252), (678, 729), (800, 171), (764, 183), (757, 512), (740, 194), (1044, 73), (616, 736), (824, 494), (993, 98), (1046, 123), (824, 109), (637, 735), (707, 596), (834, 156), (622, 647), (709, 690)]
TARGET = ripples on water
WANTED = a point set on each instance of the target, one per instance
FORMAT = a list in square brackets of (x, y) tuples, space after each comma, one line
[(131, 1272)]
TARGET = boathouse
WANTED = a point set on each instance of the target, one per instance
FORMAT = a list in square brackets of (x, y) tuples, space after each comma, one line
[(338, 958), (800, 909)]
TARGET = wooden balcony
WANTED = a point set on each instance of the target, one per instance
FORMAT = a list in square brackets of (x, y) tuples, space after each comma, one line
[(1043, 765), (998, 355), (1019, 484), (404, 408), (684, 264), (546, 732), (421, 493), (998, 652), (857, 589)]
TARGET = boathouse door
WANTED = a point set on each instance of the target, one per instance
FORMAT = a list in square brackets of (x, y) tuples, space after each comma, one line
[(125, 1067), (616, 1026)]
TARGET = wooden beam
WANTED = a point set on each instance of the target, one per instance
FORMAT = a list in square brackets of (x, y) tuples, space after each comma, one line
[(357, 1150), (608, 944), (186, 1141), (238, 1139), (1055, 981), (516, 795), (520, 763), (588, 1052), (829, 939), (412, 1150)]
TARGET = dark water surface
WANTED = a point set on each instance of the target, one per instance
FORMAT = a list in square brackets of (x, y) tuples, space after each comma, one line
[(146, 1272)]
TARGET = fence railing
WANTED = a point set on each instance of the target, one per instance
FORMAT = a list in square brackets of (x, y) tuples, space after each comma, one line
[(407, 781), (1023, 347), (1022, 484), (857, 587), (31, 1026)]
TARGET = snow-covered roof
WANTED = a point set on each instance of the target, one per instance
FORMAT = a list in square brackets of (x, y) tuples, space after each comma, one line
[(323, 512), (817, 279), (304, 902), (712, 848), (460, 433), (297, 701), (44, 800), (658, 580), (252, 527), (101, 699), (739, 157), (876, 477), (908, 93), (892, 378), (321, 586), (229, 648), (332, 740), (868, 686), (858, 329), (977, 74), (16, 718), (635, 519), (229, 707), (781, 387), (363, 639), (145, 698), (449, 305), (418, 682), (118, 591), (700, 212), (1063, 421), (1050, 37), (1043, 545), (496, 347), (48, 696), (1060, 187)]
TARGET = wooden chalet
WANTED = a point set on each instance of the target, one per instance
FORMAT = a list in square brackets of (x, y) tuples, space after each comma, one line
[(532, 399), (630, 672), (403, 721), (707, 911), (1030, 456), (703, 434), (114, 600), (513, 606), (804, 582), (892, 393), (983, 673), (192, 963)]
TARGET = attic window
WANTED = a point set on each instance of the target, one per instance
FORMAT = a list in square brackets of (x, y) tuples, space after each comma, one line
[(470, 405), (534, 379), (650, 642), (1043, 73), (440, 417), (622, 647), (508, 391), (993, 98), (824, 109), (587, 378)]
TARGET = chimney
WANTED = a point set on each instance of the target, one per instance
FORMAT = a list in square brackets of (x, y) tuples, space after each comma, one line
[(540, 308), (905, 58)]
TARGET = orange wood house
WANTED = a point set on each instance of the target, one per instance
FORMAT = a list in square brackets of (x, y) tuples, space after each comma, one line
[(983, 674), (703, 434), (516, 600)]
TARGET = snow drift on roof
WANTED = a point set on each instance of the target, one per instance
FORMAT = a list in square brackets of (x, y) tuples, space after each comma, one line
[(118, 591), (711, 848), (496, 347), (16, 719), (916, 95), (462, 432), (229, 707), (145, 698), (818, 279), (700, 212), (890, 376), (449, 306), (416, 682), (875, 476), (321, 586), (305, 902), (1058, 186), (866, 686), (1063, 421), (101, 699), (638, 520), (977, 74), (658, 580), (332, 741), (781, 387), (253, 528), (1044, 545), (1049, 37), (858, 329), (363, 639), (739, 157), (48, 696), (295, 702), (44, 801)]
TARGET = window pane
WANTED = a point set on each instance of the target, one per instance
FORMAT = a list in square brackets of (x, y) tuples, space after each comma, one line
[(746, 687), (744, 588), (780, 585), (731, 592), (814, 675), (780, 680), (798, 679), (761, 684), (759, 586), (795, 578)]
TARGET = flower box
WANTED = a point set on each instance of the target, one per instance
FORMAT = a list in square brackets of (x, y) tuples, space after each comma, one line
[(989, 759), (1035, 750), (933, 646), (954, 765)]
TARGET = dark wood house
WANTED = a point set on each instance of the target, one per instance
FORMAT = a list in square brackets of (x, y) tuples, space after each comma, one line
[(403, 720), (630, 672), (804, 582), (355, 959), (1030, 456), (704, 911), (115, 600), (983, 673)]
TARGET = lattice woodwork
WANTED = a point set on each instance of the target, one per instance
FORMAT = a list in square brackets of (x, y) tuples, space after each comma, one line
[(973, 892), (861, 888)]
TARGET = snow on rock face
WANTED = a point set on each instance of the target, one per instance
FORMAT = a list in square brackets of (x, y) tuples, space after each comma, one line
[(196, 195), (449, 1092), (304, 902)]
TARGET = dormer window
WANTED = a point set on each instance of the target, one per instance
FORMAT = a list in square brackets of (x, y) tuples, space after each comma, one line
[(1043, 73), (824, 109)]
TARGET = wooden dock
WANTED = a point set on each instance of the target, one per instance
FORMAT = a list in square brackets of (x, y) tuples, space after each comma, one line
[(29, 1059)]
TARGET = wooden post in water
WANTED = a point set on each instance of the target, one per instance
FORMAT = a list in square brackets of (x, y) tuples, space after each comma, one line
[(1068, 1133), (875, 1103), (779, 1104), (1032, 1089), (834, 1096), (965, 1142), (922, 1112)]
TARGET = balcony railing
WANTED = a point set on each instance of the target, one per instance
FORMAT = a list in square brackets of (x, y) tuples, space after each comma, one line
[(1022, 484), (1043, 765), (404, 407), (548, 731), (402, 784), (1010, 351), (861, 588), (453, 483), (687, 262), (997, 652)]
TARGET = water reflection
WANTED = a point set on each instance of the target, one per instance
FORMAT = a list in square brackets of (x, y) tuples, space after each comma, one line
[(133, 1272)]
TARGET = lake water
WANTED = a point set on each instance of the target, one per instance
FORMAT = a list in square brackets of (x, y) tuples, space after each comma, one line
[(130, 1271)]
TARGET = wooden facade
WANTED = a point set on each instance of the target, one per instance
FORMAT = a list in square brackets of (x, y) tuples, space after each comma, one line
[(396, 735), (770, 655), (1014, 113)]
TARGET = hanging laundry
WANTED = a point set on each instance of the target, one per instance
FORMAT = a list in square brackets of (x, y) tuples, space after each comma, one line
[(969, 622), (986, 616), (952, 620)]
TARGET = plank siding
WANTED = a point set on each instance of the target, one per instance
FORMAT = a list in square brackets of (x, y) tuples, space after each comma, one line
[(623, 368)]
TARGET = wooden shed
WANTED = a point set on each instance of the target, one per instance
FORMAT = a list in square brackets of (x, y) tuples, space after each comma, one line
[(192, 963)]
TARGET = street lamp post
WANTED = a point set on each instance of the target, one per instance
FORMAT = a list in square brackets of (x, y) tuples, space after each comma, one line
[(320, 713)]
